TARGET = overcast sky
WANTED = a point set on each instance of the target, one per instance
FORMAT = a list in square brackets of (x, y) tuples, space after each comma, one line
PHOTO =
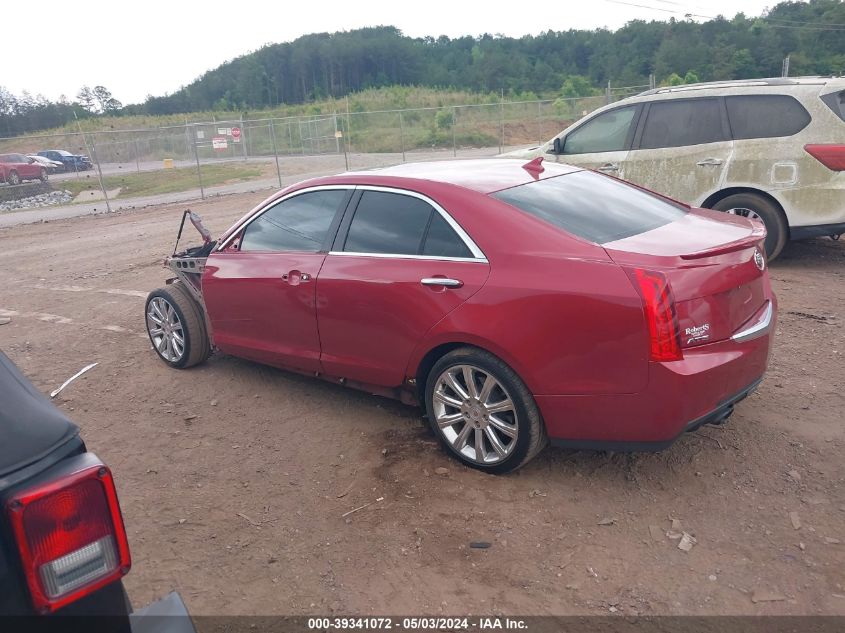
[(156, 46)]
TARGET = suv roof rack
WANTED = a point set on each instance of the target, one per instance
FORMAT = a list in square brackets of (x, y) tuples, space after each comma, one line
[(741, 83)]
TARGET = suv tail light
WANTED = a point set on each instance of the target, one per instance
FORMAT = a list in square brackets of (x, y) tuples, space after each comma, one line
[(70, 535), (831, 156), (663, 328)]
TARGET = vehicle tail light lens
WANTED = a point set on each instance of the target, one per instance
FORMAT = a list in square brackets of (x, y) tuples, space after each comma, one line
[(663, 328), (70, 535), (831, 156)]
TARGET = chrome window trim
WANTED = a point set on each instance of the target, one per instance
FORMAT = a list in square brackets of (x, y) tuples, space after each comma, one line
[(759, 328), (267, 207), (435, 258), (477, 254)]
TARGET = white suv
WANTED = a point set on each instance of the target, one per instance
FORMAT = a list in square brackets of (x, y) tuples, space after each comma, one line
[(772, 149)]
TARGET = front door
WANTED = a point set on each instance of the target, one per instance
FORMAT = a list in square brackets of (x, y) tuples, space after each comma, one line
[(399, 268), (683, 149), (260, 290)]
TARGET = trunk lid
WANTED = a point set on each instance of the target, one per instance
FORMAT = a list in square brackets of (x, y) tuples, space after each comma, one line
[(712, 263)]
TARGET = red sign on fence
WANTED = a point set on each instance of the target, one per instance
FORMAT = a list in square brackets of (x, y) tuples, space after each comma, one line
[(236, 134)]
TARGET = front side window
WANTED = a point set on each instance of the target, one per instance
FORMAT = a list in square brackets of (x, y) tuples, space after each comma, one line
[(297, 224), (681, 122), (765, 116), (608, 132)]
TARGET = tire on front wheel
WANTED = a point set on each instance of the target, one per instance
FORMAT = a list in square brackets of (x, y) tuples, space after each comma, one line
[(482, 412), (176, 327)]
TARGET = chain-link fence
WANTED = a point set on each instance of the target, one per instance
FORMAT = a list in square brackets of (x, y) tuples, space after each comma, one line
[(196, 159)]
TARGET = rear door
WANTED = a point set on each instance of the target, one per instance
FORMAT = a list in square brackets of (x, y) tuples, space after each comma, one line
[(399, 265), (602, 142), (260, 289), (681, 149)]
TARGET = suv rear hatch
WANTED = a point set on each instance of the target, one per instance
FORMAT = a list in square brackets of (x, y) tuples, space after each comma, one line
[(714, 264)]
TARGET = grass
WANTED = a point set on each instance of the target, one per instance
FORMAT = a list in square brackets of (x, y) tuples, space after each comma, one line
[(166, 180)]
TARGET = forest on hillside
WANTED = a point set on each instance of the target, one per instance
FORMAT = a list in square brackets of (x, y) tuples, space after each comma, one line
[(554, 63)]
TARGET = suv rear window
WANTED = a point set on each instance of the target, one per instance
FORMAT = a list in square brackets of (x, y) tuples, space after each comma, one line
[(836, 102), (765, 116), (592, 206)]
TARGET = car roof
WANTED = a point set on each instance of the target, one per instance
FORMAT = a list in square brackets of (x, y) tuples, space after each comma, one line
[(484, 175)]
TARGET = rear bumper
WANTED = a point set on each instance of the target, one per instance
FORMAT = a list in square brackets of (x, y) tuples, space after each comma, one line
[(681, 396), (167, 615)]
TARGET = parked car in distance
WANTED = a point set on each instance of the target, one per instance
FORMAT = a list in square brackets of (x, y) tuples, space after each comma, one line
[(63, 550), (16, 168), (72, 162), (772, 149), (516, 302), (53, 166)]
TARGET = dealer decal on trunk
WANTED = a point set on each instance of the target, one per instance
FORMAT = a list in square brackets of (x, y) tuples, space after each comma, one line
[(697, 333)]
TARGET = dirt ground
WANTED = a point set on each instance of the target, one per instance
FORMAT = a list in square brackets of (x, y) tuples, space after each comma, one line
[(234, 477)]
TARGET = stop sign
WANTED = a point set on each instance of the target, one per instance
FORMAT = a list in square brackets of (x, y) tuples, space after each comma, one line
[(236, 133)]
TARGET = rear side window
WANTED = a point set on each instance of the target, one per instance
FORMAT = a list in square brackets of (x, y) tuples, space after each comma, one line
[(297, 224), (765, 116), (681, 122), (592, 206), (836, 102), (396, 224)]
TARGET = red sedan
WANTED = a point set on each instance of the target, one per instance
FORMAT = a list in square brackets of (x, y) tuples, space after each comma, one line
[(518, 303)]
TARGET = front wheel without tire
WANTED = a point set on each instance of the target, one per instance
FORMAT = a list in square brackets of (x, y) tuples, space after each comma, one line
[(43, 175), (756, 207), (482, 412), (176, 327)]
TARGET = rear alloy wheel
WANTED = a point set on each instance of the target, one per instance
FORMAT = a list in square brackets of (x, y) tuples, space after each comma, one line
[(482, 412), (755, 207), (13, 178), (43, 175), (176, 327)]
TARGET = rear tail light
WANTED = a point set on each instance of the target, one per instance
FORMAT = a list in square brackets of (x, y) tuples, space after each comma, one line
[(70, 535), (829, 155), (664, 331)]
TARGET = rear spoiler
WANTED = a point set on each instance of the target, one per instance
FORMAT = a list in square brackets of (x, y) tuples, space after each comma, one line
[(758, 234)]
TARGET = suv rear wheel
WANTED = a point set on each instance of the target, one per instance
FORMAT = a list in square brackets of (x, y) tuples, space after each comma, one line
[(756, 207), (13, 178)]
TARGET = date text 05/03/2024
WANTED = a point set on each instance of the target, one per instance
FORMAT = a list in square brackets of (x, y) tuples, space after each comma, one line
[(417, 623)]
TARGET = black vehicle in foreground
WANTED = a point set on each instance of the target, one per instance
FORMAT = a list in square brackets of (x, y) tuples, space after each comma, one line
[(63, 546), (72, 162)]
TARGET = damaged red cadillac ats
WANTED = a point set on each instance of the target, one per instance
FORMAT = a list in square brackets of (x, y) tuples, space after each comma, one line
[(518, 303)]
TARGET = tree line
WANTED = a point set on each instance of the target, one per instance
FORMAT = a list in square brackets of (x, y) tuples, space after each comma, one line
[(554, 63)]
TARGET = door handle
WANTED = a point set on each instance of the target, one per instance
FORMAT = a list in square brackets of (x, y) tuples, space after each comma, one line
[(295, 277), (609, 167), (709, 161), (441, 281)]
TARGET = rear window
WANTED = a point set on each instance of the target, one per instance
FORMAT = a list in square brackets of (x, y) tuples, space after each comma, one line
[(592, 206), (765, 116), (836, 102)]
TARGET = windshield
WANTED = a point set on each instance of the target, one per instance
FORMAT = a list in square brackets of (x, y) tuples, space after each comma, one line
[(593, 206)]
